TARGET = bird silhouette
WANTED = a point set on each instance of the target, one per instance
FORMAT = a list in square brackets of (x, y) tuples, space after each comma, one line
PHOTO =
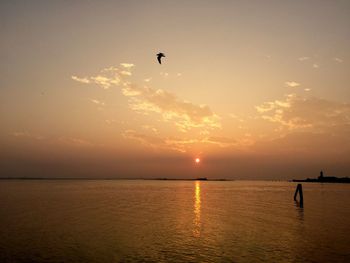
[(159, 57)]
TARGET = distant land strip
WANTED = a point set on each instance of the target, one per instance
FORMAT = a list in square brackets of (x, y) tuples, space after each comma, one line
[(86, 178)]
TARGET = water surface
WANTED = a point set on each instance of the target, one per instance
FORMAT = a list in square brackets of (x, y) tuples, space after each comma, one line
[(172, 221)]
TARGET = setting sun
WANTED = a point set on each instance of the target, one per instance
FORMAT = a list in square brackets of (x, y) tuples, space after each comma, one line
[(197, 160)]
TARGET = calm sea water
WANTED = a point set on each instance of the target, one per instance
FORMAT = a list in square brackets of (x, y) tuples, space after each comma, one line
[(172, 221)]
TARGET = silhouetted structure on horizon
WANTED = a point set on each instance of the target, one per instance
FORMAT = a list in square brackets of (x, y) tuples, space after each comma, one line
[(321, 175), (325, 179)]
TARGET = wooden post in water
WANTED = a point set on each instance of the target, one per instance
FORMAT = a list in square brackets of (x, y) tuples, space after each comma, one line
[(300, 191)]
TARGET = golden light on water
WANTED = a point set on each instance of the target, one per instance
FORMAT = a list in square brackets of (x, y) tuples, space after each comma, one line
[(197, 210)]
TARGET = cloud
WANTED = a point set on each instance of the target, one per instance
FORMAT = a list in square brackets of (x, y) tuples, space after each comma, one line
[(81, 80), (127, 73), (110, 69), (127, 65), (236, 117), (97, 102), (131, 91), (300, 113), (108, 77), (105, 82), (222, 141), (52, 140), (303, 58), (24, 134), (150, 128), (147, 80), (307, 89), (112, 121), (183, 145), (305, 126), (109, 122), (147, 139), (315, 65), (273, 105), (184, 114), (75, 141), (314, 144), (155, 142), (142, 99), (20, 134), (339, 60), (292, 84), (233, 116)]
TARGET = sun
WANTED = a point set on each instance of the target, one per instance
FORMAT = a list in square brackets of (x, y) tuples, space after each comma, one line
[(197, 160)]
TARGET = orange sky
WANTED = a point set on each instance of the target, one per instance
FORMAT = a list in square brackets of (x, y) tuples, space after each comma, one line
[(256, 91)]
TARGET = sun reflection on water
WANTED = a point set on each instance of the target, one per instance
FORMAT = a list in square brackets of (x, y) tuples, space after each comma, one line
[(197, 210)]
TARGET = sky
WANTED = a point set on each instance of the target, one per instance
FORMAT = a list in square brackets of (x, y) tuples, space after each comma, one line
[(254, 89)]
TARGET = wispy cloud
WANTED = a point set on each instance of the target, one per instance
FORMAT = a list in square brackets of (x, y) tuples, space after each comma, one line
[(74, 141), (181, 144), (303, 58), (150, 128), (127, 65), (25, 134), (52, 140), (184, 114), (292, 84), (296, 112), (339, 60), (81, 80), (124, 72), (236, 117), (221, 141), (315, 66), (155, 142), (105, 82), (97, 102), (112, 121), (109, 122), (146, 139), (108, 77), (273, 105), (143, 99)]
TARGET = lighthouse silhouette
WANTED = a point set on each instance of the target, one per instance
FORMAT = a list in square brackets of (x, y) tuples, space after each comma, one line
[(321, 175)]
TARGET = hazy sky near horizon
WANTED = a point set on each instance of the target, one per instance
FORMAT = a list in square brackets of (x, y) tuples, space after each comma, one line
[(255, 89)]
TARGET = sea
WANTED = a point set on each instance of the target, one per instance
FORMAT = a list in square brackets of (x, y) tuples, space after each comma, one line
[(172, 221)]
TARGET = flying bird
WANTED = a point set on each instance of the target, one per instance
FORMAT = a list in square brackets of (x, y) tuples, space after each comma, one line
[(159, 57)]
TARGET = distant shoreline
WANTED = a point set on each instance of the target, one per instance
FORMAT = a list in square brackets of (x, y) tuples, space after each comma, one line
[(324, 179), (132, 179), (308, 180), (343, 180)]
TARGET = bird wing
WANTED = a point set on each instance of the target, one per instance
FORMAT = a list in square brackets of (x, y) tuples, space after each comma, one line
[(159, 59)]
